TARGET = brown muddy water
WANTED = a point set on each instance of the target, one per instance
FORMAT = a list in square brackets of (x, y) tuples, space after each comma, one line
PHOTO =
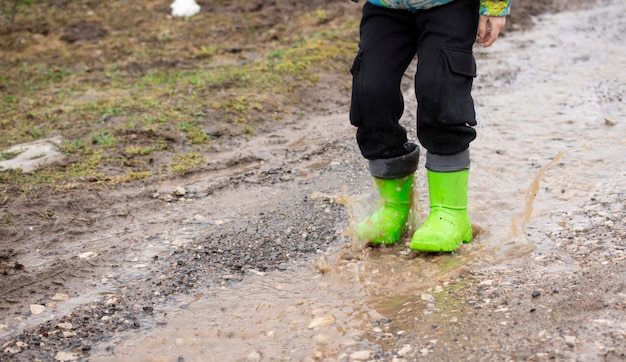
[(552, 131)]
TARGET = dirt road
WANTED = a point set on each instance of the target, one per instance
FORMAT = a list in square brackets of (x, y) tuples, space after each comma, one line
[(252, 261)]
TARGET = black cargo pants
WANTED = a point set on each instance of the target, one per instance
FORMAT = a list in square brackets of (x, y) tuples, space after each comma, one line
[(442, 37)]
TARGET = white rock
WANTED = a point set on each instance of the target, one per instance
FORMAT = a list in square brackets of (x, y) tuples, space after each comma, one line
[(112, 300), (254, 356), (321, 322), (21, 345), (405, 350), (60, 297), (87, 255), (65, 325), (37, 308), (185, 8), (65, 356), (361, 355), (12, 350), (33, 155), (180, 191)]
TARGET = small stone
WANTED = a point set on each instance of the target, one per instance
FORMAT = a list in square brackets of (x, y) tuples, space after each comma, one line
[(69, 334), (12, 350), (87, 255), (59, 297), (65, 325), (321, 322), (361, 355), (535, 293), (65, 356), (180, 191), (37, 308), (112, 301), (21, 345), (405, 350), (254, 356)]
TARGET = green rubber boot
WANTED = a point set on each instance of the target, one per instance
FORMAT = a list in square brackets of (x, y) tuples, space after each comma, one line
[(386, 225), (448, 223)]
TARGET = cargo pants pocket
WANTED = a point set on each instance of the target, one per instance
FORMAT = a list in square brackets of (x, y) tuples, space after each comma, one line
[(455, 97)]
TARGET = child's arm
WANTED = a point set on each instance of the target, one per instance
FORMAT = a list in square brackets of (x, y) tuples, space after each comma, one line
[(489, 28), (492, 20)]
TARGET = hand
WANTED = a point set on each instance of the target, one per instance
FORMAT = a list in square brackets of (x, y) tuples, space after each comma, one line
[(489, 28)]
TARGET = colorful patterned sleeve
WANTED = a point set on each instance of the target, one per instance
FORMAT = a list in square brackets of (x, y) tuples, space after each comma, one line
[(495, 7)]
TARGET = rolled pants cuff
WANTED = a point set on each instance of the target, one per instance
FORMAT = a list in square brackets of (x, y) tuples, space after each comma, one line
[(397, 167), (448, 163)]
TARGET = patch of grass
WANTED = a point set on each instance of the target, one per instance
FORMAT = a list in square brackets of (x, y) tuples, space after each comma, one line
[(9, 155), (194, 134), (185, 163), (240, 105), (143, 151), (173, 77), (73, 146), (130, 176), (104, 139)]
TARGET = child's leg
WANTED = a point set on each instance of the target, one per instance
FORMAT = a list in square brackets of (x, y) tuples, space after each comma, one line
[(443, 82), (387, 46), (446, 117)]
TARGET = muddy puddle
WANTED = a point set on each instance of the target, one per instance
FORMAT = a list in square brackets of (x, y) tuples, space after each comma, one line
[(337, 309), (547, 141)]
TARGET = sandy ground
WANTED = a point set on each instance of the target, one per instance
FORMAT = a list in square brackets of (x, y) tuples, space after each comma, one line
[(544, 279)]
